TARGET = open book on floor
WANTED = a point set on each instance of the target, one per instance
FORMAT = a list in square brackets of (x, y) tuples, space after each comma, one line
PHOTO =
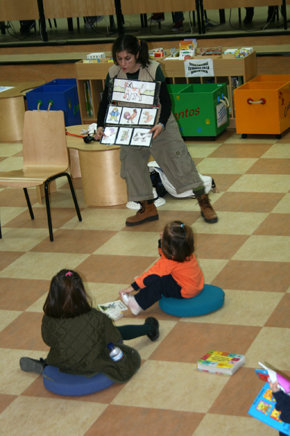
[(263, 408), (113, 309)]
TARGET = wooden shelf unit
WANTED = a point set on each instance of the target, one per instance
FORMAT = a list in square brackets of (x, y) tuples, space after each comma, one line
[(226, 67)]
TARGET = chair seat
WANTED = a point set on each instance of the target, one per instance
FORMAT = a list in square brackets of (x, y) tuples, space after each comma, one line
[(73, 385), (210, 299), (29, 177)]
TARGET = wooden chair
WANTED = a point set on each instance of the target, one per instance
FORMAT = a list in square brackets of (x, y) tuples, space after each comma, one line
[(45, 158)]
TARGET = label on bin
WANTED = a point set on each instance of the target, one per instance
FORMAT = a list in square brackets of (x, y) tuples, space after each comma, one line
[(198, 67)]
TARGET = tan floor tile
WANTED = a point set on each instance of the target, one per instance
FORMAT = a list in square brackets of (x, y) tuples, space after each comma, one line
[(270, 166), (100, 219), (246, 382), (16, 239), (76, 241), (254, 275), (199, 151), (270, 248), (221, 165), (188, 341), (243, 202), (270, 345), (209, 246), (281, 315), (10, 149), (280, 150), (177, 204), (9, 213), (211, 268), (24, 333), (48, 264), (18, 294), (8, 257), (260, 183), (29, 416), (143, 421), (11, 163), (170, 384), (241, 150), (144, 243), (13, 381), (243, 308), (7, 316), (275, 224), (284, 205), (103, 292), (232, 223), (221, 425), (253, 140), (99, 268)]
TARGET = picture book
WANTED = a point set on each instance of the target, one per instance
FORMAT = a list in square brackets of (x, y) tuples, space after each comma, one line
[(113, 309), (269, 375), (219, 362), (263, 408)]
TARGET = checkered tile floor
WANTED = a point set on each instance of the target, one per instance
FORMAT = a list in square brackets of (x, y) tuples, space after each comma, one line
[(246, 253)]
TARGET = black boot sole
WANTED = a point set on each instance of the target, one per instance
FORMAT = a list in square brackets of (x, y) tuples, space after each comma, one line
[(151, 218)]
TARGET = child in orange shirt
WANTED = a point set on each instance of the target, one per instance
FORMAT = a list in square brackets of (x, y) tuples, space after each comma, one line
[(176, 274)]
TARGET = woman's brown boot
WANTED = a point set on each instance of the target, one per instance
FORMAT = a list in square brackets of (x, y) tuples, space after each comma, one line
[(147, 212), (207, 211)]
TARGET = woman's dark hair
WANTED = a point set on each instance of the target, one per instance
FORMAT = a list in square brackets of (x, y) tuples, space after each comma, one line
[(132, 45), (177, 241), (67, 296)]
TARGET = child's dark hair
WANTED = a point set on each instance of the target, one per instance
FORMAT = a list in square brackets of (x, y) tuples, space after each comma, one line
[(132, 45), (177, 241), (67, 296)]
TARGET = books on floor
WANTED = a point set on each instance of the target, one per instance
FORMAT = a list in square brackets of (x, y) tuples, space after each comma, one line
[(263, 408), (220, 362), (113, 309)]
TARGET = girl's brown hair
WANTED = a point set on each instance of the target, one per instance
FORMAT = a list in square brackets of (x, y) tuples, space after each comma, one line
[(67, 296), (177, 241)]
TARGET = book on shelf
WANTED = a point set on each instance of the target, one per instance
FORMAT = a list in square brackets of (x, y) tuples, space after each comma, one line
[(114, 309), (220, 362), (263, 409)]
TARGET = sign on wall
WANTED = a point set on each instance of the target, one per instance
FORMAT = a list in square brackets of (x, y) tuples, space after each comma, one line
[(199, 67)]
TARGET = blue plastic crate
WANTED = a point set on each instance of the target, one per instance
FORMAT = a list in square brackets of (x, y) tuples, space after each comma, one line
[(62, 94)]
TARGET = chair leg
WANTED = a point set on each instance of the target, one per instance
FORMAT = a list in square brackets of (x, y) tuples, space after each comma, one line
[(74, 196), (46, 192), (28, 203), (0, 231)]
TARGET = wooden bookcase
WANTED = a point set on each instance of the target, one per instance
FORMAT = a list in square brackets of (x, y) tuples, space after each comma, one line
[(91, 79)]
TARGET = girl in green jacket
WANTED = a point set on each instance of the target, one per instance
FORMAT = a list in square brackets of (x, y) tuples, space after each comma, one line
[(78, 334)]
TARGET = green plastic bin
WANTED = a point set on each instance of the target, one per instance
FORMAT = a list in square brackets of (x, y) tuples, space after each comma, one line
[(200, 109)]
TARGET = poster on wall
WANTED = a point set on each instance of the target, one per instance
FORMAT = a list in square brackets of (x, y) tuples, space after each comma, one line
[(199, 67)]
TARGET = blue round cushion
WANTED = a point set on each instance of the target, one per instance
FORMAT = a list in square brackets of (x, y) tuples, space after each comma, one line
[(211, 298), (74, 385)]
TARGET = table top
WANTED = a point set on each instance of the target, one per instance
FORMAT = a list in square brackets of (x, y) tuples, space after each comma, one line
[(18, 88), (79, 144)]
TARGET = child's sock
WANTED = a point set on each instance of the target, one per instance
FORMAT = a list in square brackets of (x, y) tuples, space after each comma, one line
[(31, 365)]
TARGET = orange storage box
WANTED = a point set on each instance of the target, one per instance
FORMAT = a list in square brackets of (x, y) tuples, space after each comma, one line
[(262, 105)]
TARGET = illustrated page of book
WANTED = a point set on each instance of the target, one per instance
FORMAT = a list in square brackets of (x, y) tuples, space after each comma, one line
[(263, 408)]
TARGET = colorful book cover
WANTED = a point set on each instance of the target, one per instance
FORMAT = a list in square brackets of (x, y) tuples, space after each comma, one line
[(263, 408), (220, 362)]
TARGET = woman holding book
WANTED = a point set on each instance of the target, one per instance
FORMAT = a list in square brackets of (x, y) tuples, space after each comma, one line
[(78, 335), (132, 62)]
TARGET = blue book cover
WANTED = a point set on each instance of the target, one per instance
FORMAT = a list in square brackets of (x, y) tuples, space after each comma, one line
[(263, 408)]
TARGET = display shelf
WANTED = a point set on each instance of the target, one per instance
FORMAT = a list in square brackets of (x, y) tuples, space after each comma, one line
[(227, 69)]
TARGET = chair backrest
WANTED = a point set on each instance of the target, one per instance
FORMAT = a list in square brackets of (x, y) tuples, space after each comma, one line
[(44, 139)]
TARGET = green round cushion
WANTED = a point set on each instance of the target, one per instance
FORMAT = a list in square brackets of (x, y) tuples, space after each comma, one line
[(210, 299)]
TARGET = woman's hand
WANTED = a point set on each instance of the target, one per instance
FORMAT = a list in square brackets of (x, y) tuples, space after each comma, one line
[(100, 133), (274, 386), (156, 130)]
